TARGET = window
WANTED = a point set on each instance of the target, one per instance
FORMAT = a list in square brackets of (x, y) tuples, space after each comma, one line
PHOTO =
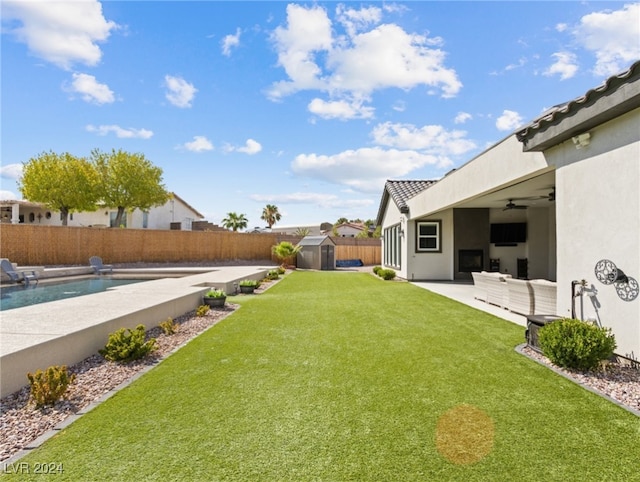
[(428, 237), (112, 220), (392, 246)]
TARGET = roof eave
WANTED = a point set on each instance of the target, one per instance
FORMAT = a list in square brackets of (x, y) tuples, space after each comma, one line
[(621, 95)]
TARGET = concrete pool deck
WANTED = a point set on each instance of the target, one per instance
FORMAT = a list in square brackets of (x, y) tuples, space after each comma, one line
[(67, 331)]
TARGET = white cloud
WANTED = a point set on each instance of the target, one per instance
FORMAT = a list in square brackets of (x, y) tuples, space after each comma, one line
[(308, 31), (357, 20), (432, 139), (230, 41), (11, 171), (251, 147), (612, 36), (321, 200), (181, 92), (561, 27), (399, 106), (519, 64), (7, 195), (508, 121), (364, 169), (359, 62), (340, 109), (62, 33), (91, 90), (565, 66), (462, 117), (199, 144), (120, 132)]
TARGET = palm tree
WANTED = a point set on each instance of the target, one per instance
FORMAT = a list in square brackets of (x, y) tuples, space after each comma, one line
[(285, 251), (302, 232), (270, 215), (235, 221)]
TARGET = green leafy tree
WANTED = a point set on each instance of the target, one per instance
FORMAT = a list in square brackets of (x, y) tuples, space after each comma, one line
[(341, 221), (129, 181), (61, 182), (235, 221), (270, 215), (377, 233), (302, 232)]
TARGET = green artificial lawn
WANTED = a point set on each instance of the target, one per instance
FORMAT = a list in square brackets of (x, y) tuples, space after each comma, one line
[(342, 376)]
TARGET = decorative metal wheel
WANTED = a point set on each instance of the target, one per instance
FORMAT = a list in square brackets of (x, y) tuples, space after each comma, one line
[(606, 271), (627, 291)]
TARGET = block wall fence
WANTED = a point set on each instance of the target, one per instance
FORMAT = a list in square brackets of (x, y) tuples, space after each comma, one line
[(63, 245)]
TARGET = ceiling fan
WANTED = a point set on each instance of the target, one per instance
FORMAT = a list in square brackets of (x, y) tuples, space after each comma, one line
[(512, 205)]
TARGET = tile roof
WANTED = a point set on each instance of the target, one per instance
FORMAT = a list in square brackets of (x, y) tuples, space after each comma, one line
[(561, 111), (400, 192)]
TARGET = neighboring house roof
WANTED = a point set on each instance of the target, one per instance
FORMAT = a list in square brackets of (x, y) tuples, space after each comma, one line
[(359, 227), (314, 240), (400, 192), (40, 205), (617, 95), (187, 204), (20, 202)]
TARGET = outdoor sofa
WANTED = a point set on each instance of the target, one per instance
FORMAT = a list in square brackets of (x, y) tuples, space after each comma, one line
[(490, 287), (525, 297)]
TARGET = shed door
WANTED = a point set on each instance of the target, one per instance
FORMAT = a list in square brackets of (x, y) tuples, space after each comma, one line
[(327, 260)]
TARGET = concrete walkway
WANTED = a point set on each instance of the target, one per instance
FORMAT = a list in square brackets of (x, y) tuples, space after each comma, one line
[(463, 292), (67, 331)]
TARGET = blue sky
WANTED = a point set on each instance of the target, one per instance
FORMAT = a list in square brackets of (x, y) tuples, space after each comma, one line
[(310, 106)]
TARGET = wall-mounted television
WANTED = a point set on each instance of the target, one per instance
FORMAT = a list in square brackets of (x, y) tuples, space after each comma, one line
[(508, 233)]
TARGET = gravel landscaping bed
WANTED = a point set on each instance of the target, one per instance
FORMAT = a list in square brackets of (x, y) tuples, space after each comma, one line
[(21, 423), (619, 381)]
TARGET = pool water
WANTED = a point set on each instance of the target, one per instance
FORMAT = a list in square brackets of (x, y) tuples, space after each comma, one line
[(18, 296)]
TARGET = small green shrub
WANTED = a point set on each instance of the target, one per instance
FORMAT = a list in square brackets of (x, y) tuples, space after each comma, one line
[(214, 293), (387, 274), (49, 386), (202, 310), (169, 327), (574, 344), (376, 269), (249, 282), (281, 270), (273, 274), (127, 345)]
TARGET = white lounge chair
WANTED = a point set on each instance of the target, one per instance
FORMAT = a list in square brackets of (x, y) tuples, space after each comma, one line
[(98, 267), (18, 276)]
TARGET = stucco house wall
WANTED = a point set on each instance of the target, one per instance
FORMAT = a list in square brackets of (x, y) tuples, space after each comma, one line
[(431, 266), (158, 217), (598, 217)]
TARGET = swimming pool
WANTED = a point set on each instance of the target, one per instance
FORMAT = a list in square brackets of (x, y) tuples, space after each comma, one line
[(18, 296)]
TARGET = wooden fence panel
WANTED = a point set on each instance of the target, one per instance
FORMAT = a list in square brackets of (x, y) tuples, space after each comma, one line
[(63, 245)]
